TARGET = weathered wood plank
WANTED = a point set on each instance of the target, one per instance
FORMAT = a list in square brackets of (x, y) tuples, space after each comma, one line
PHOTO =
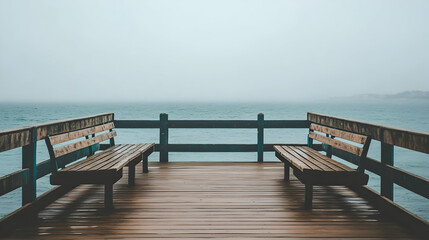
[(410, 139), (83, 144), (106, 154), (332, 163), (296, 156), (337, 144), (58, 127), (18, 137), (14, 138), (80, 133), (112, 158), (287, 156), (137, 154), (338, 133), (13, 181), (211, 200), (317, 159)]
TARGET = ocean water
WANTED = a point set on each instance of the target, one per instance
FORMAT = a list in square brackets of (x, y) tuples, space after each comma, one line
[(404, 114)]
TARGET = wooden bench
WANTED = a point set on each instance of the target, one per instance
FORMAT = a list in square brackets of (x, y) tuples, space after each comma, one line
[(102, 168), (313, 168)]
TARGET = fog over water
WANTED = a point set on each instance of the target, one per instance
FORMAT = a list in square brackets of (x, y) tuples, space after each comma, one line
[(183, 50)]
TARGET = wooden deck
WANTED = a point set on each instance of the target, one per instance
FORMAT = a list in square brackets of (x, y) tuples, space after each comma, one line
[(211, 200)]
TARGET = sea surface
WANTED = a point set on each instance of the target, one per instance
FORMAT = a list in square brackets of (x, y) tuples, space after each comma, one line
[(404, 114)]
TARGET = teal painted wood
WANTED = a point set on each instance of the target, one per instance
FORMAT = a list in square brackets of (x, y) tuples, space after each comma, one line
[(287, 124), (112, 140), (137, 124), (386, 178), (212, 124), (13, 181), (91, 151), (224, 147), (309, 142), (260, 137), (407, 180), (29, 161), (212, 147), (329, 148), (163, 137)]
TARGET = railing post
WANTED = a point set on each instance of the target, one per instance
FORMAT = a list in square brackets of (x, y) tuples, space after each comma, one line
[(29, 161), (387, 156), (261, 137), (163, 137)]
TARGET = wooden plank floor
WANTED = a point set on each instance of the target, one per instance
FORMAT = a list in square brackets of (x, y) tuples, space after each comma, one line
[(211, 200)]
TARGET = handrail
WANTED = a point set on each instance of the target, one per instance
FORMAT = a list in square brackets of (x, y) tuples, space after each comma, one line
[(27, 138), (389, 137), (410, 139), (19, 137)]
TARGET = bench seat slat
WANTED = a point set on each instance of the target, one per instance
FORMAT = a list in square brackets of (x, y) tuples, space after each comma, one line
[(112, 156), (354, 137), (95, 162), (101, 174), (325, 166), (332, 163), (143, 148), (337, 144), (83, 163), (131, 153), (61, 151), (346, 176), (298, 164), (308, 162)]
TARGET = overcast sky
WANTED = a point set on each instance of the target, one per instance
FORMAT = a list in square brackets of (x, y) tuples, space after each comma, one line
[(217, 50)]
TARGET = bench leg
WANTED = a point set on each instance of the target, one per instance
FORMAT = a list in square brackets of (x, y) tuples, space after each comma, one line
[(308, 196), (131, 175), (287, 171), (108, 195), (145, 164)]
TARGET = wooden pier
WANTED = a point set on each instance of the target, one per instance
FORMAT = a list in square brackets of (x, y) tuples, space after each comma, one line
[(211, 200), (231, 200)]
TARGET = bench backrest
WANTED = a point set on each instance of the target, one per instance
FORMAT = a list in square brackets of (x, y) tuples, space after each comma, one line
[(332, 137), (90, 140)]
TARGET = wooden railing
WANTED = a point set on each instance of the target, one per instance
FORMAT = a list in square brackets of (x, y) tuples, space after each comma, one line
[(388, 137), (164, 125), (26, 138)]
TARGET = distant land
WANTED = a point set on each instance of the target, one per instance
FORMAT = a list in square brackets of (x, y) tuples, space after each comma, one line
[(407, 95)]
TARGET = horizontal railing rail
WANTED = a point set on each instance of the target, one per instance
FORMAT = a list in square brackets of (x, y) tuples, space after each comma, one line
[(211, 124)]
